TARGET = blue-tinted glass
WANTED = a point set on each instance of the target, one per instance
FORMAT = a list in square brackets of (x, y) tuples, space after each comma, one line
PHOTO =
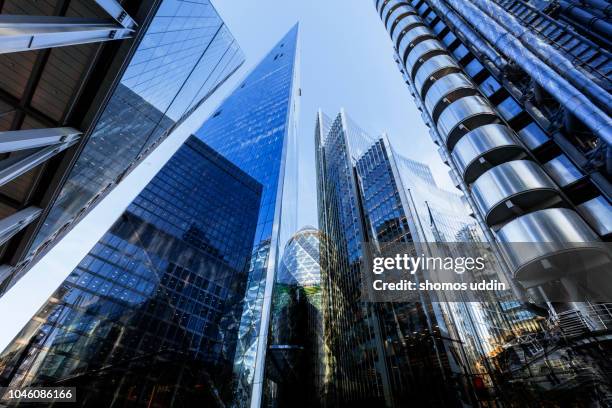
[(474, 67), (354, 344), (460, 52), (295, 360), (364, 195), (185, 52), (151, 314), (437, 29), (251, 129), (449, 38), (533, 136), (382, 204), (508, 108), (489, 86)]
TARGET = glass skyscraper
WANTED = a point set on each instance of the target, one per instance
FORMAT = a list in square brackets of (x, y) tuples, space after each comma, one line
[(118, 109), (150, 317), (355, 330), (354, 339), (255, 128), (431, 352)]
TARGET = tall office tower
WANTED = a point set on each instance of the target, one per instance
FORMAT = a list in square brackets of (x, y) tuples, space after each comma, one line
[(78, 111), (389, 354), (255, 128), (295, 368), (516, 94), (150, 316), (354, 338), (481, 322)]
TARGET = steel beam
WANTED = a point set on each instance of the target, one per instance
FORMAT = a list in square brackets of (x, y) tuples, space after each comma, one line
[(15, 140), (23, 33), (14, 223), (17, 107), (114, 9), (22, 165), (5, 272)]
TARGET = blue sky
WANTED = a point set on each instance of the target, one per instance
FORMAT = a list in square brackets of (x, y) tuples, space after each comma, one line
[(346, 61)]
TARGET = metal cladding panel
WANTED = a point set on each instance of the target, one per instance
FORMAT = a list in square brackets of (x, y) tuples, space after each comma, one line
[(519, 183), (487, 145), (554, 234), (445, 90), (407, 20), (563, 171), (425, 75), (416, 55), (451, 123), (393, 16), (412, 37), (598, 213)]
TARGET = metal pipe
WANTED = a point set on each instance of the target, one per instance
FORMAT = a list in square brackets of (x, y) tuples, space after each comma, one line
[(15, 140), (538, 5), (547, 53), (573, 100), (25, 33), (601, 5), (115, 9), (597, 24), (443, 10), (14, 223)]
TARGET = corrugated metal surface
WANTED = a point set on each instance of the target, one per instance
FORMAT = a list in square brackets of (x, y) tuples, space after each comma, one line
[(6, 119), (19, 189), (5, 210), (31, 7), (15, 70), (61, 78)]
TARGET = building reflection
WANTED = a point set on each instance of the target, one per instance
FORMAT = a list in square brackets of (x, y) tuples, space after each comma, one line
[(151, 315), (255, 128), (295, 366), (433, 352), (182, 53)]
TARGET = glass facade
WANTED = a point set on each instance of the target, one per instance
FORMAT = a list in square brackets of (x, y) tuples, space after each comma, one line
[(422, 362), (431, 352), (479, 327), (184, 55), (255, 129), (150, 316), (352, 330)]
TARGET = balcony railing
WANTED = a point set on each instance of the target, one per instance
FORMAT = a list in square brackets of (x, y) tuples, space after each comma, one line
[(590, 319)]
